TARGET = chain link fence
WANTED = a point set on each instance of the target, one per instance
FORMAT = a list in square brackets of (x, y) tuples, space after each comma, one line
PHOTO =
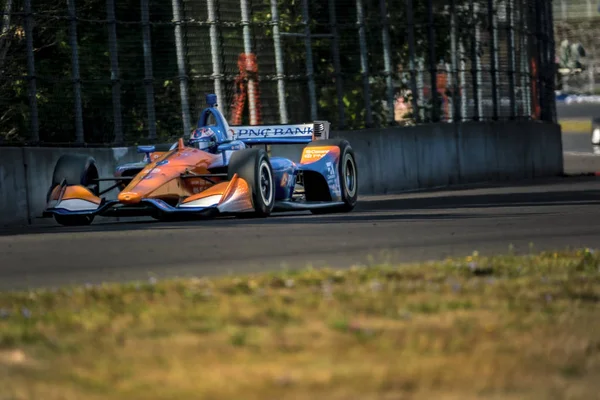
[(90, 72)]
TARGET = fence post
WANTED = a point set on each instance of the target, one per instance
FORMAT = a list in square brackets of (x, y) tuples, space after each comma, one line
[(475, 63), (364, 62), (183, 86), (114, 70), (148, 73), (456, 110), (32, 94), (248, 50), (79, 137), (214, 50), (309, 61), (510, 35), (283, 117), (493, 58), (463, 80), (526, 73), (410, 27), (551, 57), (432, 63), (335, 50), (387, 60)]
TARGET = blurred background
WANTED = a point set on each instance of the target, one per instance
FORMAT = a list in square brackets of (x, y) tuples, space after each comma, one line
[(90, 72)]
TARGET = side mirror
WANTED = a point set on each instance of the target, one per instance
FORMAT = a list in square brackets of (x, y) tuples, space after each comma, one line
[(147, 150)]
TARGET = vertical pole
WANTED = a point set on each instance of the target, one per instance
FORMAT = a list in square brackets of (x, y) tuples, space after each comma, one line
[(114, 70), (421, 86), (475, 68), (183, 87), (79, 138), (248, 50), (551, 57), (309, 61), (510, 35), (279, 63), (4, 26), (493, 58), (456, 111), (410, 27), (463, 80), (364, 62), (214, 49), (32, 93), (524, 54), (387, 60), (432, 64), (335, 51), (538, 48), (451, 78), (148, 70)]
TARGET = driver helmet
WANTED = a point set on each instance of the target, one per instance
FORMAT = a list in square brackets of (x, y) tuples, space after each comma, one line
[(204, 139)]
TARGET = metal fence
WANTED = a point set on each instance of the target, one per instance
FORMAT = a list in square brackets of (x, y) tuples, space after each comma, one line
[(122, 72), (577, 33)]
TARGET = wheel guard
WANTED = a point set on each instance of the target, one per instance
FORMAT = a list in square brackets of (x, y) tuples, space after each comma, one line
[(225, 197)]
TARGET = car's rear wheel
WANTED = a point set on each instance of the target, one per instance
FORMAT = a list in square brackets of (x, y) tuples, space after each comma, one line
[(348, 173), (75, 169), (254, 166), (595, 134)]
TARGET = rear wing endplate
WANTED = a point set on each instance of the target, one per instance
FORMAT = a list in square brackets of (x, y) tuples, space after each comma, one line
[(281, 134)]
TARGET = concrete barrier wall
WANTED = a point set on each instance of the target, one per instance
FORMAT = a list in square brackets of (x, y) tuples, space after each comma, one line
[(389, 160), (26, 174), (393, 160)]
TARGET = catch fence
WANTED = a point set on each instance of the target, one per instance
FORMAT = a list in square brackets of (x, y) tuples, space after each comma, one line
[(91, 72)]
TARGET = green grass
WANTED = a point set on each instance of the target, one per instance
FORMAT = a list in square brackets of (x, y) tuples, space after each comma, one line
[(575, 125), (509, 327)]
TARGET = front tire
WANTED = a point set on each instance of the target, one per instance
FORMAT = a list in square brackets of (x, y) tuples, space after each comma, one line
[(75, 169), (254, 166)]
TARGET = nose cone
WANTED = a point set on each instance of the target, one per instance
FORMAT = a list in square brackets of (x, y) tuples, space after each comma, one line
[(130, 197)]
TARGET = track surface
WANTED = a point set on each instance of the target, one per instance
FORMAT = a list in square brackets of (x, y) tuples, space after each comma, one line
[(420, 226), (413, 227)]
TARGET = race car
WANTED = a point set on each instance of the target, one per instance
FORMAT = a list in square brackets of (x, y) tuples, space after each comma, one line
[(216, 171)]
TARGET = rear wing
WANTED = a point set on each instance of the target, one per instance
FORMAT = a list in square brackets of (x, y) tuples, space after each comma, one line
[(281, 134)]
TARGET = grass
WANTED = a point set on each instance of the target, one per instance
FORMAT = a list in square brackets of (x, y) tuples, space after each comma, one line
[(576, 125), (508, 327)]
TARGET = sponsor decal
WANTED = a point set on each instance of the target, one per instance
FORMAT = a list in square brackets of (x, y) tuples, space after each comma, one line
[(163, 162), (332, 180), (275, 131), (313, 154)]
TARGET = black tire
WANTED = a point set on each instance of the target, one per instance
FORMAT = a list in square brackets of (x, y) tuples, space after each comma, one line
[(253, 165), (595, 133), (75, 169), (348, 173)]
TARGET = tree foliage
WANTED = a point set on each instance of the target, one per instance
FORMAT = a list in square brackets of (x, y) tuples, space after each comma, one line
[(53, 62)]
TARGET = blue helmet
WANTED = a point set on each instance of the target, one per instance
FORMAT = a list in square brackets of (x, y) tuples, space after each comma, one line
[(204, 139)]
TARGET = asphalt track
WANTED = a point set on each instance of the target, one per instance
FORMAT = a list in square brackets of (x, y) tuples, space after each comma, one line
[(550, 214)]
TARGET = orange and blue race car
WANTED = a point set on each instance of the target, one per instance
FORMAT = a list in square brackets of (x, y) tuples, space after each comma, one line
[(216, 171)]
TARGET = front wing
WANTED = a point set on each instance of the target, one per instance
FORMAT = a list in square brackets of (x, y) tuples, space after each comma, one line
[(223, 198)]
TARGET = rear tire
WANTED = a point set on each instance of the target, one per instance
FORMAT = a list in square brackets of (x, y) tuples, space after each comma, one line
[(75, 169), (348, 173), (595, 134), (253, 165)]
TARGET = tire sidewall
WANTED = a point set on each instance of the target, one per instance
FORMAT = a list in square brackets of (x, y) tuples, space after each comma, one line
[(348, 162), (263, 202)]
